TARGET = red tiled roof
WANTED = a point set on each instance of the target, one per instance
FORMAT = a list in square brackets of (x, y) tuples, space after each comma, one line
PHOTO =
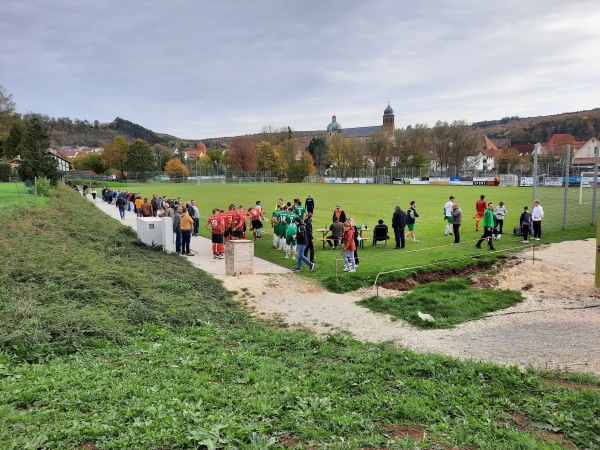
[(524, 148), (558, 143), (488, 144)]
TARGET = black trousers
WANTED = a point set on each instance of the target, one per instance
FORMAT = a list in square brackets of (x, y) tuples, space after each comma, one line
[(456, 230), (487, 234), (400, 239), (310, 247), (537, 229)]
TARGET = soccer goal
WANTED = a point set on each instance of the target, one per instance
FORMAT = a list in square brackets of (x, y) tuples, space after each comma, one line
[(588, 180)]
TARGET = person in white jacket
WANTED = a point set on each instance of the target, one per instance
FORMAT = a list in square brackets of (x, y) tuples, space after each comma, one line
[(499, 214), (536, 217)]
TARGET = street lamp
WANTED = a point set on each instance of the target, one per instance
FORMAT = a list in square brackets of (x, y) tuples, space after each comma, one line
[(216, 167)]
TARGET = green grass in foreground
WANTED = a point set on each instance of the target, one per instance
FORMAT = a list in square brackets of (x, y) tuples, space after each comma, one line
[(450, 302), (186, 369)]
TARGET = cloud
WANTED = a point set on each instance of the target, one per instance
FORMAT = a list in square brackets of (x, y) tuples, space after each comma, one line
[(196, 69)]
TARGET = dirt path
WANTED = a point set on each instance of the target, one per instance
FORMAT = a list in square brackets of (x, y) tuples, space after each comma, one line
[(557, 327)]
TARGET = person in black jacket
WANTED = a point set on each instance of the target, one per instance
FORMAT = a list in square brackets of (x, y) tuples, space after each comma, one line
[(302, 239), (310, 240), (411, 217), (398, 224), (309, 204)]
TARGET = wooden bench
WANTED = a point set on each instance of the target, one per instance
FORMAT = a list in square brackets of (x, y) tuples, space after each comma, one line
[(323, 240)]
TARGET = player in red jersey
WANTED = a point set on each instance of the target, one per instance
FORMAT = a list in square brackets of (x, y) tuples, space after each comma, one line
[(255, 216), (243, 215), (216, 225), (229, 222)]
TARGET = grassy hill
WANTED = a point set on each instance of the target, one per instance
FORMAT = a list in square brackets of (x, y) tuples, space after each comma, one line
[(110, 346)]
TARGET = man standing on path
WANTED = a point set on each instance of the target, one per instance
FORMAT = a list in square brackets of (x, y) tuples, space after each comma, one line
[(187, 225), (147, 210), (480, 207), (177, 228), (154, 203), (309, 203), (301, 238), (536, 218), (195, 214), (398, 224), (488, 227)]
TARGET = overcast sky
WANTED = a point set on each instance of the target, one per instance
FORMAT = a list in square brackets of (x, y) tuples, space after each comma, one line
[(199, 69)]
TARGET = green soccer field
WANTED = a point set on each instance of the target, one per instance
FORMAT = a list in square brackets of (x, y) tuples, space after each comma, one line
[(368, 203)]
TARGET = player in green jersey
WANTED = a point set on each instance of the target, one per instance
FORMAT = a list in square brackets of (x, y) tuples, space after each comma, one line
[(290, 240)]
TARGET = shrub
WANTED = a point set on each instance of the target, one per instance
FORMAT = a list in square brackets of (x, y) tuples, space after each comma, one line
[(5, 171), (44, 186)]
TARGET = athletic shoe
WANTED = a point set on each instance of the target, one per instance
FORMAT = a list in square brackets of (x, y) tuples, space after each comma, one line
[(492, 249), (221, 256), (454, 243), (450, 234), (415, 240), (346, 269), (312, 267), (478, 246), (295, 269), (537, 239), (446, 234), (499, 236), (525, 242), (352, 270), (286, 257), (334, 247), (215, 256)]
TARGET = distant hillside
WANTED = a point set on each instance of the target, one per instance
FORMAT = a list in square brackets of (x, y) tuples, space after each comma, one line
[(65, 131), (582, 125)]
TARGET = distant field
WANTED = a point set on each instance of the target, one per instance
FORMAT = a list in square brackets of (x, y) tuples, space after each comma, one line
[(368, 203), (16, 193)]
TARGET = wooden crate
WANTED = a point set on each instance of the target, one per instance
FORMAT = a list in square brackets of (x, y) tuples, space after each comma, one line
[(239, 257)]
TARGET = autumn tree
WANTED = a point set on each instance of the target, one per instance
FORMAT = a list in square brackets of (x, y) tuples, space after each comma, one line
[(176, 170), (378, 147), (140, 158), (356, 154), (464, 143), (90, 161), (290, 151), (451, 144), (269, 159), (317, 147), (507, 159), (162, 154), (115, 154), (338, 153), (242, 155), (299, 169), (412, 146)]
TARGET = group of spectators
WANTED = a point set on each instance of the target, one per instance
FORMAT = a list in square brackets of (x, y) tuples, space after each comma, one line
[(493, 221)]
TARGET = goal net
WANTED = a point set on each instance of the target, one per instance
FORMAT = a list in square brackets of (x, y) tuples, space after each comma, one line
[(588, 180)]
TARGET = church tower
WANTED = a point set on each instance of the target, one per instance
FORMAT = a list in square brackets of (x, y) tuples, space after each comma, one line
[(388, 119)]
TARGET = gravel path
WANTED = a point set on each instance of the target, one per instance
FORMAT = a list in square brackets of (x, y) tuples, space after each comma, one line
[(557, 327)]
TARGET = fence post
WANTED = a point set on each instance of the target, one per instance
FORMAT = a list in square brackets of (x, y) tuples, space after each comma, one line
[(566, 199), (596, 152), (535, 167)]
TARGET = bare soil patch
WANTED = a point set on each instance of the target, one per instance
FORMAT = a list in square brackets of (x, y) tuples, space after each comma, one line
[(555, 328)]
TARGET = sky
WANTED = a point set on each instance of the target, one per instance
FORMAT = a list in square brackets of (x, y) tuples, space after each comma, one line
[(201, 69)]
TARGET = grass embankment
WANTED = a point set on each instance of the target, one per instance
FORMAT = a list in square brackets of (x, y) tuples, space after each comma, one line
[(137, 349)]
